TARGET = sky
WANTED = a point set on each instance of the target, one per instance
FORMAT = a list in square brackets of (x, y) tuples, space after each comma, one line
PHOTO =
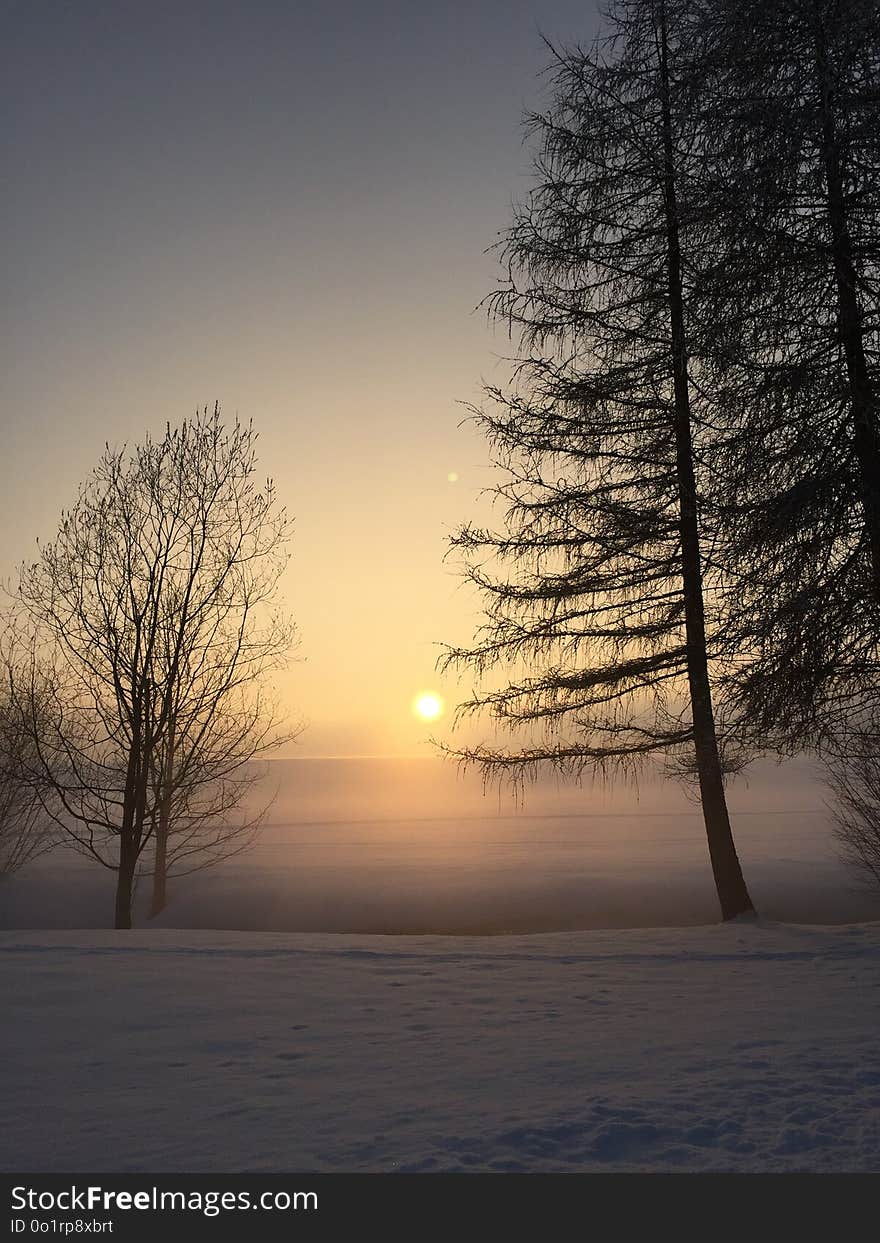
[(284, 207)]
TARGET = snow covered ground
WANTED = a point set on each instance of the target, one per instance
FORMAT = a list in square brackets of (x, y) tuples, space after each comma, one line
[(746, 1047), (300, 1040)]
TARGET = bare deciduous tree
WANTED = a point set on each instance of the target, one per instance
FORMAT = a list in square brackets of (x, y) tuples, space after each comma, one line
[(852, 772), (25, 829), (153, 623)]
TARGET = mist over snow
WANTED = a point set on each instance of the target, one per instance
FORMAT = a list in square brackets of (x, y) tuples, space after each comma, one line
[(412, 846)]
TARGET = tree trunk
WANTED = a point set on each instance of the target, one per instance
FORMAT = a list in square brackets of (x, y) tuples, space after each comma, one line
[(127, 850), (729, 882), (159, 898), (160, 865), (131, 832), (125, 882), (863, 402)]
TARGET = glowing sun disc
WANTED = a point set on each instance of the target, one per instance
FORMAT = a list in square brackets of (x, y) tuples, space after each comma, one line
[(427, 706)]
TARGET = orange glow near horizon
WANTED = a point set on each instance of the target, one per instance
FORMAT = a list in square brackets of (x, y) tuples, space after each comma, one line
[(321, 282)]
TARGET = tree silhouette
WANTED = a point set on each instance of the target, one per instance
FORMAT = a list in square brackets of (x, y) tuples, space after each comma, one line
[(852, 773), (791, 329), (596, 588), (25, 830), (152, 626)]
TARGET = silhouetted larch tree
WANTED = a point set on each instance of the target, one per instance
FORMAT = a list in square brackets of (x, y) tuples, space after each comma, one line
[(153, 623), (597, 603), (791, 322)]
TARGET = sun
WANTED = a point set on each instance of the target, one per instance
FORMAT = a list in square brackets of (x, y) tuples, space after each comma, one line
[(427, 706)]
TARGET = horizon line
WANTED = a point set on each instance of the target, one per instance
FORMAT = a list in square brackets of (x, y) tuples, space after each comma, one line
[(272, 759)]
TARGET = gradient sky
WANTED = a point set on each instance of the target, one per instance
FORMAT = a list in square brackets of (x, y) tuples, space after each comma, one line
[(283, 206)]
